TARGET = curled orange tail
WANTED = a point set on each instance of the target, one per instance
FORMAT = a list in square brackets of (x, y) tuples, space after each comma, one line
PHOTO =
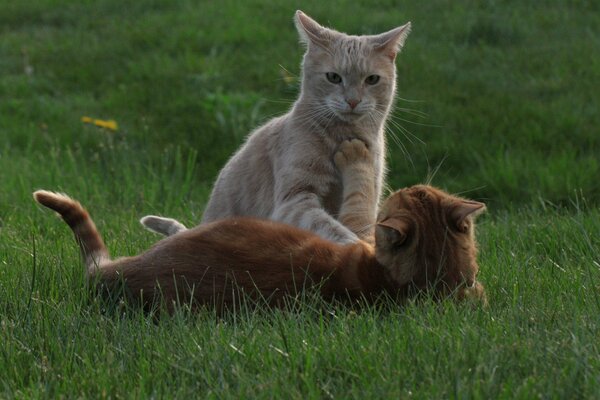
[(90, 242)]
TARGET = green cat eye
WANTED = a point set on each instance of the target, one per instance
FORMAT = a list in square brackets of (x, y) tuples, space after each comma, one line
[(372, 79), (333, 77)]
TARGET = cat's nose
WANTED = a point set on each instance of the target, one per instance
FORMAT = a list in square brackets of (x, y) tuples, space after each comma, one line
[(352, 103)]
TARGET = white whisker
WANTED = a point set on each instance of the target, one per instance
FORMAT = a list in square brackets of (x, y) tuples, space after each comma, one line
[(409, 101), (470, 190), (416, 113), (432, 174)]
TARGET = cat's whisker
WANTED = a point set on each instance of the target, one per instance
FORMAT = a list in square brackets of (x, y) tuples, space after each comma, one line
[(395, 117), (331, 116), (394, 138), (401, 129), (398, 98), (315, 118), (404, 131), (281, 101), (310, 117), (388, 189), (432, 174), (402, 147), (317, 105), (316, 111), (470, 190), (397, 141), (416, 113), (407, 133)]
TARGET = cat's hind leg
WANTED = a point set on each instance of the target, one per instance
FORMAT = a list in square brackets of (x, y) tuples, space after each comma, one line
[(161, 225)]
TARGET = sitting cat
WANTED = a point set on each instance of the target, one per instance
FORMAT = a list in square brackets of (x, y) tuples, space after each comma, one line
[(354, 161), (424, 237), (285, 171)]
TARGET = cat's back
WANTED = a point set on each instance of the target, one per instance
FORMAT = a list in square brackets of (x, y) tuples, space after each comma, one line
[(213, 262), (247, 244), (245, 185)]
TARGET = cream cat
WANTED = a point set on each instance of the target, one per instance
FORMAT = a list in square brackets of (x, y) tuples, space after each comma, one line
[(285, 171), (354, 162)]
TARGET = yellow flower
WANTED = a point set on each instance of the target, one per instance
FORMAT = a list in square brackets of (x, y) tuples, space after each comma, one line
[(106, 124)]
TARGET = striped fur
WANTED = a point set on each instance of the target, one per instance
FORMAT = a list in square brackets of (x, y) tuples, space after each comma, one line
[(429, 236)]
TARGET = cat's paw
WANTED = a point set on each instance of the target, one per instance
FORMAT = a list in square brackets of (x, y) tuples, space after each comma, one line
[(351, 152)]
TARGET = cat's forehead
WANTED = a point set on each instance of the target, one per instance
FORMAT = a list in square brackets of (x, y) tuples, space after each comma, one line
[(418, 198), (353, 55), (410, 196)]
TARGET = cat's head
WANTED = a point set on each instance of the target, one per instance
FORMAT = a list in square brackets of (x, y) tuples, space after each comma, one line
[(426, 237), (348, 77)]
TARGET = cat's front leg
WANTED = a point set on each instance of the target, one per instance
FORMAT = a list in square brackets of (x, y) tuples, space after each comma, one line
[(305, 211), (359, 207)]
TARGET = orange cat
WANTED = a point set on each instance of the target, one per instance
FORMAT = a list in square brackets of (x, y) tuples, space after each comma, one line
[(424, 237)]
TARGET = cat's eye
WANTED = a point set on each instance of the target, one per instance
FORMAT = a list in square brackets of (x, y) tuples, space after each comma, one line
[(333, 77), (372, 79)]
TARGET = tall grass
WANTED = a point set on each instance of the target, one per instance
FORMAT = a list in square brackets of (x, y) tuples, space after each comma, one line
[(497, 101)]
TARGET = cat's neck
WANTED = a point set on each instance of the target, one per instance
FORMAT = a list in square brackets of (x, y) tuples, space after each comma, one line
[(361, 274)]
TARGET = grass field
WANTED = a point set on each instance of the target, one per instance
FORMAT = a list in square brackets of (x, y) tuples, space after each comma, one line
[(510, 96)]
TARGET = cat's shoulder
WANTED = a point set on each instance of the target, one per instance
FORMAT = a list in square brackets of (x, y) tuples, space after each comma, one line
[(268, 134)]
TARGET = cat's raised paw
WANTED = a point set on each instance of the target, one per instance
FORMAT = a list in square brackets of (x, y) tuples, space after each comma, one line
[(350, 152)]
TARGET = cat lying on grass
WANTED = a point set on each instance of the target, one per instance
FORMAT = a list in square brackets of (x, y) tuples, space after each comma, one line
[(424, 238)]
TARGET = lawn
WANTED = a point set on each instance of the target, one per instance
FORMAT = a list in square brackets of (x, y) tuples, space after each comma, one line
[(497, 100)]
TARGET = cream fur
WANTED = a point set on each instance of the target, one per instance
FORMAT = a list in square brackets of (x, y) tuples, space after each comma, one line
[(285, 170)]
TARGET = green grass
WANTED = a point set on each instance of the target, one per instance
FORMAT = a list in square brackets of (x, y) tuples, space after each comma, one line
[(510, 92)]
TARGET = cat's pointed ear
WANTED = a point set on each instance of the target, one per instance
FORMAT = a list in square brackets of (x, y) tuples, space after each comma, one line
[(463, 210), (310, 31), (390, 43), (395, 230)]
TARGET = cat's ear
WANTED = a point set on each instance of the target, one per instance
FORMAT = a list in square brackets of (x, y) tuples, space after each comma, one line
[(395, 230), (390, 43), (464, 210), (310, 31)]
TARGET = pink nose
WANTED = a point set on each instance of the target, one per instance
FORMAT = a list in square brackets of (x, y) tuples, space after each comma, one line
[(352, 103)]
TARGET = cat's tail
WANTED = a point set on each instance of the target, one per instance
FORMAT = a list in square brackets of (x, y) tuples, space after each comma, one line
[(161, 225), (92, 247)]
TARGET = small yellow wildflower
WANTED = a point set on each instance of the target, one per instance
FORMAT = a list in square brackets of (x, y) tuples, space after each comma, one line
[(106, 124)]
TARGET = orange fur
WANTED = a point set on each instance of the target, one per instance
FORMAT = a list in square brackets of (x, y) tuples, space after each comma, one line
[(420, 240)]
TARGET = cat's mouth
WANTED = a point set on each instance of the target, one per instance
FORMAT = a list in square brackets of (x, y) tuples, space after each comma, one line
[(350, 116)]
